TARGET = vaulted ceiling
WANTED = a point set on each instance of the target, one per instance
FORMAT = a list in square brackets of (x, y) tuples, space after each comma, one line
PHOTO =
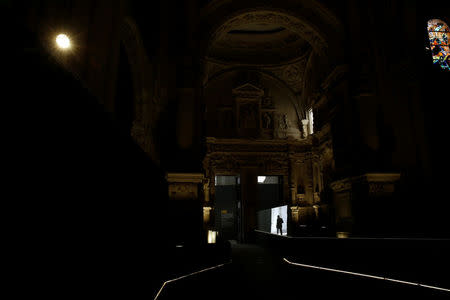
[(258, 43)]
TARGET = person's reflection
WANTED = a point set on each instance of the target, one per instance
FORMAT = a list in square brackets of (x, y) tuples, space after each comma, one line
[(279, 225)]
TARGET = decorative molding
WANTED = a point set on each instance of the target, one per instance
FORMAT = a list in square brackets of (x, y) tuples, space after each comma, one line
[(293, 74), (257, 146), (341, 185), (184, 186), (185, 177), (248, 91), (382, 177), (229, 156), (183, 191), (377, 182)]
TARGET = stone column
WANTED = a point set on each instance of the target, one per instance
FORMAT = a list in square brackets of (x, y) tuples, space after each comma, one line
[(309, 181), (316, 198), (212, 196), (292, 197), (292, 182), (295, 214), (206, 205), (212, 188), (186, 206), (206, 191), (206, 216), (249, 188), (360, 202), (305, 124), (342, 201)]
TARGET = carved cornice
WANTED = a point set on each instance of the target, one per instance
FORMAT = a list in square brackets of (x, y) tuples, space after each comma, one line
[(256, 146), (233, 162), (377, 182), (228, 156), (382, 177), (185, 190), (341, 185), (185, 177)]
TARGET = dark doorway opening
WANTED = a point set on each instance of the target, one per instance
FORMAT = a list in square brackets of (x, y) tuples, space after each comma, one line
[(270, 192), (228, 208)]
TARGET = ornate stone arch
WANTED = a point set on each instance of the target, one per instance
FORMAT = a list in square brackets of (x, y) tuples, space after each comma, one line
[(272, 16), (142, 127), (309, 18), (313, 21), (134, 47)]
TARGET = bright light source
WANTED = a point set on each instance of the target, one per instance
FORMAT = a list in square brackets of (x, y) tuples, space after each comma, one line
[(342, 235), (212, 236), (261, 179), (311, 121), (63, 41)]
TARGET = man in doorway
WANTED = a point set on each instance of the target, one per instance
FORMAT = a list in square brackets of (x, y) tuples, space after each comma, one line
[(279, 225)]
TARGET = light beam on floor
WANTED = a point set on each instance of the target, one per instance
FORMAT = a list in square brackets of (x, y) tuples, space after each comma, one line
[(187, 275), (366, 275)]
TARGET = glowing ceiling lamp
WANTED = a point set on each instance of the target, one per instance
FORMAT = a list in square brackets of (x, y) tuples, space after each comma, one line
[(261, 179), (63, 41)]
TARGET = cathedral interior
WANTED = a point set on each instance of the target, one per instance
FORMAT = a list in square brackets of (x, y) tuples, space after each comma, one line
[(160, 141)]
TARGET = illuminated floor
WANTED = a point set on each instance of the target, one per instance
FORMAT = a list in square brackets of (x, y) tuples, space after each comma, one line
[(256, 273)]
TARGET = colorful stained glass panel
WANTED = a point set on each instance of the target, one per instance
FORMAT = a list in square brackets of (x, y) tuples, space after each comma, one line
[(439, 35)]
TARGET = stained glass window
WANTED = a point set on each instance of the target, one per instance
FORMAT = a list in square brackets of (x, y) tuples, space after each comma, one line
[(439, 34)]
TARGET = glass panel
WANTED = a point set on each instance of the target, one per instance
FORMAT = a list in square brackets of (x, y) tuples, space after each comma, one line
[(267, 179), (438, 34), (225, 180)]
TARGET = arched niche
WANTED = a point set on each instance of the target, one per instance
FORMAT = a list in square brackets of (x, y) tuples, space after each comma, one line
[(278, 115)]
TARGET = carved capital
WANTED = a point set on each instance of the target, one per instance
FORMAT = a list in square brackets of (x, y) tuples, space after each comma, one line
[(341, 185)]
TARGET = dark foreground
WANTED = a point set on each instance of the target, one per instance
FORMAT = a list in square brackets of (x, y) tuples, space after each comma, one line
[(259, 272)]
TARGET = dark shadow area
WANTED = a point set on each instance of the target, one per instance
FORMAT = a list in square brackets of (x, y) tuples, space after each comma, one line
[(416, 260), (89, 211), (259, 272)]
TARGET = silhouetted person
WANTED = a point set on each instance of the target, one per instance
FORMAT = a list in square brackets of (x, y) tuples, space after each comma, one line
[(280, 224)]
